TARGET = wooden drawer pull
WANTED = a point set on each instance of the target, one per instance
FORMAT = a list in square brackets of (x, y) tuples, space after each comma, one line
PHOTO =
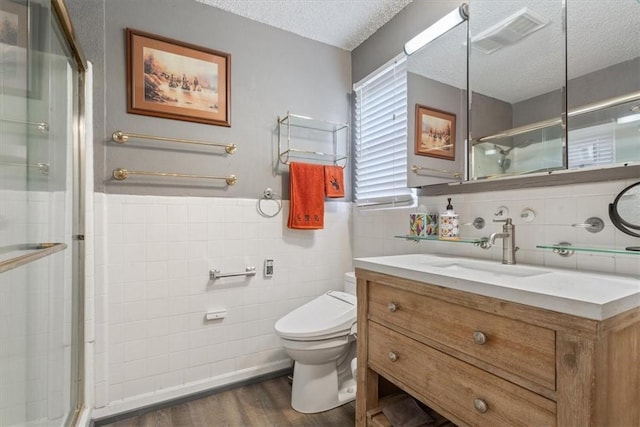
[(480, 405), (393, 356), (479, 337), (392, 307)]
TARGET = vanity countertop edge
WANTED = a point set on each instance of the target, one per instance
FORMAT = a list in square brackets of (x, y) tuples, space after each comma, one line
[(594, 296)]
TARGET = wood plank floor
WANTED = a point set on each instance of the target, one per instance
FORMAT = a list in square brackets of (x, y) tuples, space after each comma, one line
[(265, 404)]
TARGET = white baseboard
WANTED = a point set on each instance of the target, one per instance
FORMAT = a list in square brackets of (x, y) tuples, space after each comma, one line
[(139, 402)]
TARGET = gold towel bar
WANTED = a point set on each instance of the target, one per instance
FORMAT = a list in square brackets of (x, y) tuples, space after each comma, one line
[(121, 174), (121, 137), (456, 174)]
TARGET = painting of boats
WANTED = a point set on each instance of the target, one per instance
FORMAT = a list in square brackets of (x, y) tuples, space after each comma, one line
[(175, 80), (435, 133)]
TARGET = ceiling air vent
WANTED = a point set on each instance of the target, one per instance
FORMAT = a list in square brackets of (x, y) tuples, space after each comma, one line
[(509, 31)]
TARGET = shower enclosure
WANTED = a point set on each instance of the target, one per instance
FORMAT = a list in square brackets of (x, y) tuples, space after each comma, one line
[(41, 220)]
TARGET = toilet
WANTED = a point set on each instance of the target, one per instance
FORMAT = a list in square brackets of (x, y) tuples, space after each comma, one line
[(320, 336)]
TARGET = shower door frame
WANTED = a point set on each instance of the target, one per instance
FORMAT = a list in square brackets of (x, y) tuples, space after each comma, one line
[(77, 398)]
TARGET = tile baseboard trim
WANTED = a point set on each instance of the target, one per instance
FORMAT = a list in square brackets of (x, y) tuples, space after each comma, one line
[(175, 396)]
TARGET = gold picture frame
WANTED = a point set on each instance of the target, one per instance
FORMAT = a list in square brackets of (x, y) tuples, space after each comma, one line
[(435, 133), (175, 80)]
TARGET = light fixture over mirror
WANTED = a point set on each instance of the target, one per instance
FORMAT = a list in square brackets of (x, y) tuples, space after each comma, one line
[(440, 27)]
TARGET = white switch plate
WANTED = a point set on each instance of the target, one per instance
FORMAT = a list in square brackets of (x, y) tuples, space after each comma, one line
[(268, 267)]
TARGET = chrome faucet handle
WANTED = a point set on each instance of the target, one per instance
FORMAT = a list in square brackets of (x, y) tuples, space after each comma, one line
[(592, 225), (484, 243), (478, 223), (506, 220)]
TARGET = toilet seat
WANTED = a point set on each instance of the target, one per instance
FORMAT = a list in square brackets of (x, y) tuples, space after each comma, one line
[(328, 316)]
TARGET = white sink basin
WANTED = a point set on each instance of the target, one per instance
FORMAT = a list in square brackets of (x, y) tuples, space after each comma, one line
[(478, 267)]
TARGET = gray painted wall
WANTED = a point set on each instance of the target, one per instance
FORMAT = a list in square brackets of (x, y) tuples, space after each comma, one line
[(616, 80), (272, 72)]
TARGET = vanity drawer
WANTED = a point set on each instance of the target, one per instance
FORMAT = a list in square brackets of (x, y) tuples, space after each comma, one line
[(476, 397), (524, 350)]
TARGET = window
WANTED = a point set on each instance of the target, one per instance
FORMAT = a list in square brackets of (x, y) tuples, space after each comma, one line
[(380, 135), (591, 146)]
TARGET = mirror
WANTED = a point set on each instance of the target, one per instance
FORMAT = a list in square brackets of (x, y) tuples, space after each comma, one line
[(517, 80), (603, 87), (551, 107), (437, 80), (516, 42), (625, 210)]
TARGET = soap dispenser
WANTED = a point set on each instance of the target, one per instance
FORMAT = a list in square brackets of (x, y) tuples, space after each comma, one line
[(449, 223)]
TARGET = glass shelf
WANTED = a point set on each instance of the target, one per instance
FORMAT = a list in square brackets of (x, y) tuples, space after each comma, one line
[(317, 141), (310, 123), (475, 241), (588, 249), (316, 156)]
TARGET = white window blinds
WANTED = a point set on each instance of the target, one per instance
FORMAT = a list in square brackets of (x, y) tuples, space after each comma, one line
[(380, 135), (591, 146)]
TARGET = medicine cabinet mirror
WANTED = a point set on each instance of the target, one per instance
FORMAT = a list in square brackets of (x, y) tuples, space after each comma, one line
[(554, 92), (517, 80)]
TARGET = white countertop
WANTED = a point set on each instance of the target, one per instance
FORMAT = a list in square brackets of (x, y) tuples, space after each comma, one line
[(591, 295)]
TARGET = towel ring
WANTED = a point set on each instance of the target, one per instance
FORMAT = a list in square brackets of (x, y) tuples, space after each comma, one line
[(268, 194)]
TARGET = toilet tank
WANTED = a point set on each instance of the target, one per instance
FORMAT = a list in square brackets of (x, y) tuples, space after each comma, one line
[(350, 283)]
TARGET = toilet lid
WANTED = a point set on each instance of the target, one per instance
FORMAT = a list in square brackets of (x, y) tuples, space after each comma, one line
[(329, 314)]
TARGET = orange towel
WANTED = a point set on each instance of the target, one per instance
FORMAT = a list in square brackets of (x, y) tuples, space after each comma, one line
[(333, 181), (307, 196)]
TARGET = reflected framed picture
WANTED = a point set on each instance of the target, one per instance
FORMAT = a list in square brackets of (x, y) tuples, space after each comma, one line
[(175, 80), (435, 133)]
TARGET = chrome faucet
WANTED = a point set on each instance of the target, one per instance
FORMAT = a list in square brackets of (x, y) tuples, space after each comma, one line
[(509, 247)]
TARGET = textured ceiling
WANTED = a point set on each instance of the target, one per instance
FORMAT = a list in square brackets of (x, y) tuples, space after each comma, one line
[(341, 23), (528, 68)]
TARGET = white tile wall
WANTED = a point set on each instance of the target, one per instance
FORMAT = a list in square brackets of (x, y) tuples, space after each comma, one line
[(556, 208), (153, 256)]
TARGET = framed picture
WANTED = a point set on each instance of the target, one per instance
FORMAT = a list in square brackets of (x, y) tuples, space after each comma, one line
[(19, 67), (174, 80), (435, 133)]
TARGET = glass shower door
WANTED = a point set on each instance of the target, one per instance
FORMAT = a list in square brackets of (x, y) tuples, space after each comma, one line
[(39, 281)]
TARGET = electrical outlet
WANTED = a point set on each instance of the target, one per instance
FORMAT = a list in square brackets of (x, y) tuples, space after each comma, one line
[(268, 267)]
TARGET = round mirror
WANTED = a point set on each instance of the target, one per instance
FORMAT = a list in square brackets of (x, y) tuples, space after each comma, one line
[(625, 210)]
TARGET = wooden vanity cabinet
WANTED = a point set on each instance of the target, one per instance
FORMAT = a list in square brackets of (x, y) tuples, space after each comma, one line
[(482, 361)]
